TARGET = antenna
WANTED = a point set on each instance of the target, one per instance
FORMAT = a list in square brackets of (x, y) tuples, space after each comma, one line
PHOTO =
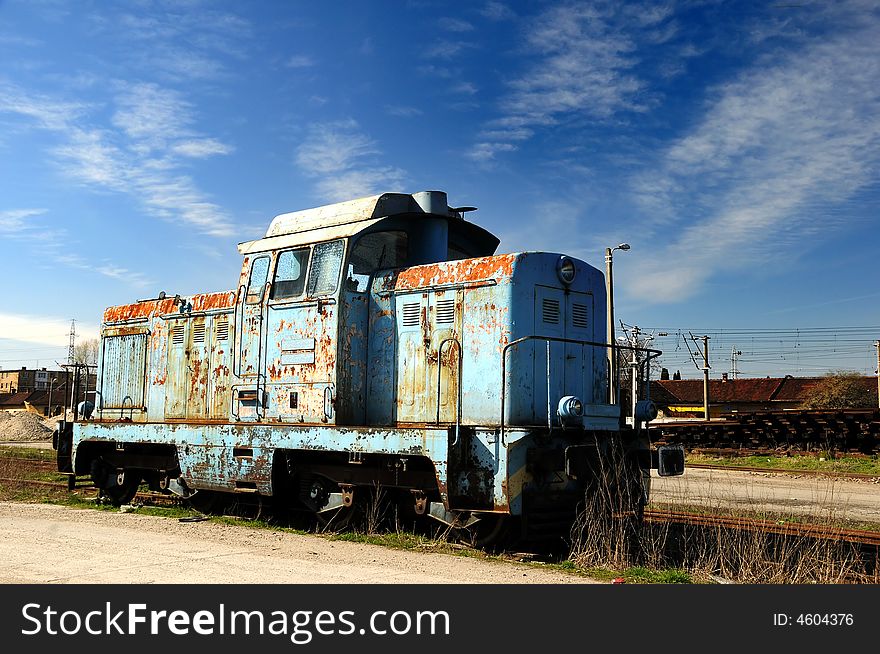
[(70, 355)]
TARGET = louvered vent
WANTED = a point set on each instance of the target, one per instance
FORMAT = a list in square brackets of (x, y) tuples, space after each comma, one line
[(411, 314), (446, 311), (551, 311), (177, 334), (579, 315), (199, 332), (222, 330)]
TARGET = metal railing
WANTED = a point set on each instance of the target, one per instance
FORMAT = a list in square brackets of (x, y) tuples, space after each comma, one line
[(651, 354), (458, 380)]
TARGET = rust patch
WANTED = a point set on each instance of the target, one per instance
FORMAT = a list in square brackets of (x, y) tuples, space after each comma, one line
[(467, 270), (149, 308), (208, 301)]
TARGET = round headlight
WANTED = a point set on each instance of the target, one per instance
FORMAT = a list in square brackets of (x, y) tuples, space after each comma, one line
[(571, 412), (566, 270)]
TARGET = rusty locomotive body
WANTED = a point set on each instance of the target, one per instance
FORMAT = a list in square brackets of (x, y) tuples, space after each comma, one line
[(377, 342)]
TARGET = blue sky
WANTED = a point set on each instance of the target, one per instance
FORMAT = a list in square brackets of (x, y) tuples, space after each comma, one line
[(734, 145)]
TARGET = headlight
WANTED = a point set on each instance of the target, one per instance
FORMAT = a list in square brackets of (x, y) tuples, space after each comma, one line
[(571, 412), (566, 270)]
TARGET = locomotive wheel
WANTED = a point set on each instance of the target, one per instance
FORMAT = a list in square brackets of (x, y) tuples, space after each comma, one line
[(107, 479), (123, 493), (491, 531), (341, 519), (203, 501)]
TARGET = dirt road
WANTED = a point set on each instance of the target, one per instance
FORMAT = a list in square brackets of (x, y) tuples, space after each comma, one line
[(827, 497), (42, 543)]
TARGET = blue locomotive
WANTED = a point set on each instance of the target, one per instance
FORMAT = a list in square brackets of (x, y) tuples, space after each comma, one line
[(378, 342)]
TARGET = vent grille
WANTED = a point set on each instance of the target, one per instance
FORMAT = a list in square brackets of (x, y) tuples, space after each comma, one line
[(551, 311), (222, 330), (411, 314), (446, 311), (177, 334), (579, 315), (199, 332)]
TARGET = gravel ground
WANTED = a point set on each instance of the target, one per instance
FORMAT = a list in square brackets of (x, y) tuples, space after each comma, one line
[(66, 545), (824, 497), (24, 426)]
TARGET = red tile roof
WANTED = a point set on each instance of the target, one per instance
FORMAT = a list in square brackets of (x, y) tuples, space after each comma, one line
[(767, 389)]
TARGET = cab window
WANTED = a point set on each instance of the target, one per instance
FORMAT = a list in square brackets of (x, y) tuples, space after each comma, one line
[(372, 252), (326, 264), (257, 281), (290, 274)]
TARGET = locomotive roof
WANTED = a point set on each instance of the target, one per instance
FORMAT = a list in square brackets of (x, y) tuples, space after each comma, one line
[(344, 219)]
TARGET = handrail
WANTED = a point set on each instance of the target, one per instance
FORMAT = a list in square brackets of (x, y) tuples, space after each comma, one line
[(652, 354), (450, 339), (239, 328), (131, 409)]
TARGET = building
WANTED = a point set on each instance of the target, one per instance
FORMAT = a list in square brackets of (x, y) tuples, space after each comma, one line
[(24, 380), (40, 388), (683, 398)]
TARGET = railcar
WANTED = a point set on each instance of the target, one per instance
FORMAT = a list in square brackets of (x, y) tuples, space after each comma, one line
[(379, 342)]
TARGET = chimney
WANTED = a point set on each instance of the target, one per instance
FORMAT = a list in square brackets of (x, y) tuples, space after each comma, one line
[(723, 376)]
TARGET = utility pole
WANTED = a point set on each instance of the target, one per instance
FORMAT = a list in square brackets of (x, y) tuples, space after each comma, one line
[(877, 345), (705, 340), (706, 376), (70, 353), (634, 364), (609, 314), (734, 371)]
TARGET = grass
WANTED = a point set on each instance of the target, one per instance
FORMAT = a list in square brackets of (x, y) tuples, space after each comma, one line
[(602, 550), (868, 465)]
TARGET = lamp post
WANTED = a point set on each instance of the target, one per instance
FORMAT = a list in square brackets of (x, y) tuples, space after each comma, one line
[(49, 408), (609, 296)]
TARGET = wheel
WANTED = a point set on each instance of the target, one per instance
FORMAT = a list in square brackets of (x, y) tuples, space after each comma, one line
[(203, 501), (341, 519), (123, 493)]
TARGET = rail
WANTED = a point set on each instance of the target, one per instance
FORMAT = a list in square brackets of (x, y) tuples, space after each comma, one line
[(825, 532)]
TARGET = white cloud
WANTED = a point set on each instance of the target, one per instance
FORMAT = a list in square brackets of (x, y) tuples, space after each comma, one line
[(152, 139), (580, 61), (584, 66), (185, 43), (497, 11), (465, 88), (300, 61), (43, 330), (485, 152), (46, 112), (200, 148), (777, 148), (402, 111), (344, 161), (104, 267), (152, 115), (15, 221), (446, 49), (455, 25)]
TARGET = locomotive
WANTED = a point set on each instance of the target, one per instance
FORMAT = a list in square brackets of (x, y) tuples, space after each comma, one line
[(378, 342)]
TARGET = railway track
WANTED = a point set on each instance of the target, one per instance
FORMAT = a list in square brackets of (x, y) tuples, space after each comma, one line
[(824, 532), (781, 471)]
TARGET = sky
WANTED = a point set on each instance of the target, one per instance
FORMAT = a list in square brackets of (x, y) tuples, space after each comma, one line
[(734, 145)]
